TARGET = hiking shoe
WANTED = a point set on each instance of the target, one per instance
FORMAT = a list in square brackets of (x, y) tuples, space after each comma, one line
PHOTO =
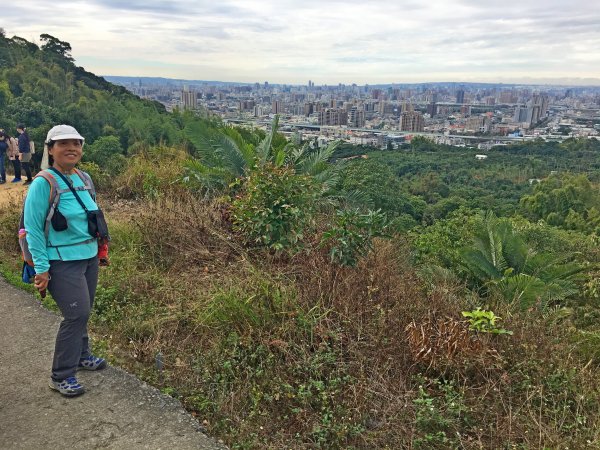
[(15, 180), (69, 387), (92, 363)]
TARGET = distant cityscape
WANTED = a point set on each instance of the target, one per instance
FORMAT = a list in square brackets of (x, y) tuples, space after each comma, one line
[(386, 116)]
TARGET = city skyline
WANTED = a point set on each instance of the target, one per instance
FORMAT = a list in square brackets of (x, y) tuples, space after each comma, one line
[(526, 42)]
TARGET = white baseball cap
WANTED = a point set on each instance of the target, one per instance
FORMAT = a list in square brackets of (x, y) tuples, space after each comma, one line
[(63, 132)]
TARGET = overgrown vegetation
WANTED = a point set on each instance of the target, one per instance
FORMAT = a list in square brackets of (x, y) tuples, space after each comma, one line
[(296, 303)]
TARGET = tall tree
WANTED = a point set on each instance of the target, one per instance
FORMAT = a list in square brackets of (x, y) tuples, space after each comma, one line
[(57, 47)]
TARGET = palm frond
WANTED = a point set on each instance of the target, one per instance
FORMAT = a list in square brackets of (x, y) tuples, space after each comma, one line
[(263, 150), (480, 265), (231, 154), (246, 148), (522, 289), (515, 251), (435, 276), (349, 199), (210, 178), (203, 138), (297, 153), (317, 161)]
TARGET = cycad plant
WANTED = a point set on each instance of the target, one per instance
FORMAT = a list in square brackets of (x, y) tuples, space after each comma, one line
[(499, 260), (224, 156)]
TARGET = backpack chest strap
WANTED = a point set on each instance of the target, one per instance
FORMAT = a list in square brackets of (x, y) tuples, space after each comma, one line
[(77, 188)]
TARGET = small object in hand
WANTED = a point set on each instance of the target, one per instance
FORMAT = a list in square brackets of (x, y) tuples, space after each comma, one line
[(28, 274), (103, 253), (43, 293)]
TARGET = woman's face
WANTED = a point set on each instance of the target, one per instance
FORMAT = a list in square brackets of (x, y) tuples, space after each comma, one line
[(66, 152)]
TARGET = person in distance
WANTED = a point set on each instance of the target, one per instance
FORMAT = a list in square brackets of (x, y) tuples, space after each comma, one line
[(24, 155), (3, 153), (13, 153)]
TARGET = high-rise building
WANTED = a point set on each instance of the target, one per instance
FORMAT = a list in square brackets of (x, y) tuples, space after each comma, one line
[(189, 99), (381, 107), (432, 109), (508, 97), (407, 107), (246, 105), (297, 110), (309, 108), (537, 108), (333, 116), (474, 123), (460, 96), (356, 117), (520, 114), (277, 107), (411, 121)]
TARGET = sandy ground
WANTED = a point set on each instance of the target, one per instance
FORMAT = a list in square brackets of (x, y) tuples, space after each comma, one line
[(118, 411)]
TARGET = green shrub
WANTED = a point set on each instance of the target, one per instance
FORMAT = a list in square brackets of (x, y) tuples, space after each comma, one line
[(484, 321), (107, 153), (439, 412), (258, 303), (152, 173), (275, 207), (351, 236), (100, 178), (440, 243)]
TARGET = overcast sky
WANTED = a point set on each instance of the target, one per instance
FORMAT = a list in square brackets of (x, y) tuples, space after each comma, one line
[(327, 41)]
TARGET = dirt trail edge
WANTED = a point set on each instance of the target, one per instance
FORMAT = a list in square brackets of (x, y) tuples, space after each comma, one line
[(118, 411)]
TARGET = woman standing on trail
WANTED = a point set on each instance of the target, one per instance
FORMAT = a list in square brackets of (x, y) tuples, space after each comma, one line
[(24, 153), (66, 261)]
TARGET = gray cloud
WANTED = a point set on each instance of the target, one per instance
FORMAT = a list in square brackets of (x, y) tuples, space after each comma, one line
[(379, 40)]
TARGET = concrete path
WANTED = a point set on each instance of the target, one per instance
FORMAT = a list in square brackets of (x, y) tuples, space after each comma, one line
[(118, 411)]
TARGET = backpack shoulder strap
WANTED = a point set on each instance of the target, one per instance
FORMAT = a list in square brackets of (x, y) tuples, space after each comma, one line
[(54, 189), (53, 198), (87, 180)]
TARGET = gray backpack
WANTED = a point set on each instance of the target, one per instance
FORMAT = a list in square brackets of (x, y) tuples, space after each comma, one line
[(53, 199)]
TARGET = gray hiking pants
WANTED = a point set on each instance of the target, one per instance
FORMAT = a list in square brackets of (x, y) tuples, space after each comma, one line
[(73, 287)]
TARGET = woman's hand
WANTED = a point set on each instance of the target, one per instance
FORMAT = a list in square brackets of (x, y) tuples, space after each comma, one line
[(41, 281)]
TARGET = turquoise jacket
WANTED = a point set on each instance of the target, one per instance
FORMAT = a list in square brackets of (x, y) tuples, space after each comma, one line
[(67, 245)]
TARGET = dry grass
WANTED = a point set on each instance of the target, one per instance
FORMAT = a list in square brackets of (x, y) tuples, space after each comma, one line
[(446, 345), (12, 193), (151, 173), (279, 351), (179, 233), (10, 213)]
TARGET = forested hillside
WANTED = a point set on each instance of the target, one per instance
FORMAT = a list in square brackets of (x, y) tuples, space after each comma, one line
[(291, 297)]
